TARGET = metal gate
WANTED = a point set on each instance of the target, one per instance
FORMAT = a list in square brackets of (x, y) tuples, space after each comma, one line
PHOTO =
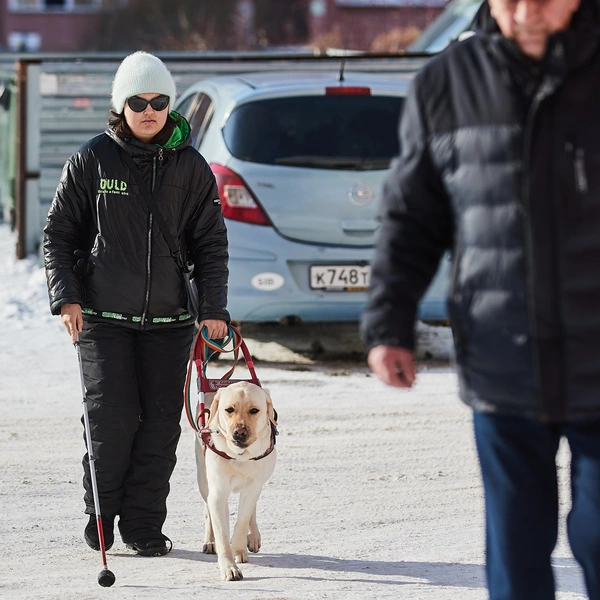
[(63, 100)]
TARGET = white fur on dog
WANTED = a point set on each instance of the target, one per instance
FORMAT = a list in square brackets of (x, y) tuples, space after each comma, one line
[(240, 423)]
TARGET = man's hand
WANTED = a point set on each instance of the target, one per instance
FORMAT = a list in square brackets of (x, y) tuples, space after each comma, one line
[(393, 365), (72, 318), (216, 329)]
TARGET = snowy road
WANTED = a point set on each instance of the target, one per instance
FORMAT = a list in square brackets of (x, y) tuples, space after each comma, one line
[(376, 493)]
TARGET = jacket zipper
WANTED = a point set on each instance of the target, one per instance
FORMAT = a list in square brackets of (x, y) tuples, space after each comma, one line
[(529, 262), (580, 176), (555, 409), (578, 159), (149, 254), (577, 191)]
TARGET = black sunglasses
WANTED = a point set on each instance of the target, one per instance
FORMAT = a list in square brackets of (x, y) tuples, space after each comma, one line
[(137, 104)]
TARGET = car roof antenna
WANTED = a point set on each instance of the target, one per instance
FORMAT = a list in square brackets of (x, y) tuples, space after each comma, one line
[(341, 73), (341, 77)]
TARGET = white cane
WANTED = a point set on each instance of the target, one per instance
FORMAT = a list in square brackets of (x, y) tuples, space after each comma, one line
[(106, 577)]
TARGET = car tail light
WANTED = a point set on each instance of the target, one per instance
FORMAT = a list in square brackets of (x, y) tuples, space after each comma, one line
[(237, 201), (347, 91)]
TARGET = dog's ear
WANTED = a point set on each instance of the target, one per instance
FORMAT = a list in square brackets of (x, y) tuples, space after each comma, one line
[(214, 409), (271, 412)]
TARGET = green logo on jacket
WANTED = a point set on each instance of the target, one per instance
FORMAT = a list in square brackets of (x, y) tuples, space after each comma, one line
[(113, 186)]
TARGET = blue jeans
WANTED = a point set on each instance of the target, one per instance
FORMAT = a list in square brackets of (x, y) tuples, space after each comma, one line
[(517, 458)]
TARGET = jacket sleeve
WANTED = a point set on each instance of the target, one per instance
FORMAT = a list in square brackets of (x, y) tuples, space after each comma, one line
[(206, 239), (65, 231), (415, 229)]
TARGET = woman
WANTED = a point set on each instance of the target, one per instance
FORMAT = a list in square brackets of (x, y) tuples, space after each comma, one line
[(118, 288)]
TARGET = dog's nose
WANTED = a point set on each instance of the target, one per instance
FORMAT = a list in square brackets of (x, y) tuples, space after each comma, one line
[(240, 434)]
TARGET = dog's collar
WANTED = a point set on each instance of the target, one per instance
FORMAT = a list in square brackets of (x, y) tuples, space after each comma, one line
[(206, 436), (271, 447)]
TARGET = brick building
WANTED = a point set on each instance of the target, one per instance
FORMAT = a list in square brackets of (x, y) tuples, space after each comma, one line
[(357, 23), (51, 25), (72, 25)]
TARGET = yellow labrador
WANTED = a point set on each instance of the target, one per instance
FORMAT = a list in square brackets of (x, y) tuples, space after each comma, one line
[(235, 454)]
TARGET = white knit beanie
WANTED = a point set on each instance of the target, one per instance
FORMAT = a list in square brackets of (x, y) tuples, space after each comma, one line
[(141, 73)]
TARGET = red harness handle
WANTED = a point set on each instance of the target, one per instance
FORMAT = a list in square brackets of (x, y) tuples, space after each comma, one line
[(203, 350)]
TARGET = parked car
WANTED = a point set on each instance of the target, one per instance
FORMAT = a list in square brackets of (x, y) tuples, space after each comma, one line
[(299, 158), (454, 21)]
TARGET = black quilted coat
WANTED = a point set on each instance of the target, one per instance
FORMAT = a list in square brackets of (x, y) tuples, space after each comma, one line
[(132, 277), (501, 164)]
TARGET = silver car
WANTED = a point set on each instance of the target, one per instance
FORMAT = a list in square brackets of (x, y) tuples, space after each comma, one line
[(451, 25), (299, 159)]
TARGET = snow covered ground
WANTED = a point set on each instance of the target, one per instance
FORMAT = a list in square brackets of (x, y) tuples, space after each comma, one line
[(376, 493)]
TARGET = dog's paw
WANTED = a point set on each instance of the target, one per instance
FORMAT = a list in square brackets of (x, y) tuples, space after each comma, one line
[(209, 548), (241, 556), (231, 573), (253, 542)]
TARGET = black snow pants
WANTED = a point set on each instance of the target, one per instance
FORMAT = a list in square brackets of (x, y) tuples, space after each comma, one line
[(134, 393)]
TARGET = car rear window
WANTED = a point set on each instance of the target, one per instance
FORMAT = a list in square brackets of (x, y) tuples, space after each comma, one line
[(327, 132)]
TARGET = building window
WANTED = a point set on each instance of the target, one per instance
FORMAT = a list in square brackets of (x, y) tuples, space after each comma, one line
[(24, 4), (64, 5), (388, 3), (24, 41)]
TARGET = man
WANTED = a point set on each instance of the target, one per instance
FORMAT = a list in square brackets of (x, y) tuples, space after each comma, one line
[(500, 162)]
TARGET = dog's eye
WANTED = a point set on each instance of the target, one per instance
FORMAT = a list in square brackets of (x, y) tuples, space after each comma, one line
[(229, 409), (253, 411)]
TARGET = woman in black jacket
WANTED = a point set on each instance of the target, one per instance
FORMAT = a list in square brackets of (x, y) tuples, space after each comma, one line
[(119, 289)]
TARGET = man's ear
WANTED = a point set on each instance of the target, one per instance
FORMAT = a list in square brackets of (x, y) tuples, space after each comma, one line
[(575, 4)]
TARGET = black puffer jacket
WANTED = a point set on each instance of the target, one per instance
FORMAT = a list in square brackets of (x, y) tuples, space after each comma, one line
[(132, 277), (501, 164)]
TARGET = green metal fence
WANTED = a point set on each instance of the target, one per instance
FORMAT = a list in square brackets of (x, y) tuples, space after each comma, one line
[(8, 122), (57, 102)]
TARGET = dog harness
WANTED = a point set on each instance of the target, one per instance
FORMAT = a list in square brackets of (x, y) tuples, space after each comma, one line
[(207, 441), (203, 350)]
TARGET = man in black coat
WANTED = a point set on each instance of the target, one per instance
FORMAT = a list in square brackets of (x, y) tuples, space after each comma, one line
[(500, 163)]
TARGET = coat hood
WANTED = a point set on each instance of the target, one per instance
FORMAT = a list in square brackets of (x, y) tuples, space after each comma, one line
[(578, 43), (587, 15), (180, 138)]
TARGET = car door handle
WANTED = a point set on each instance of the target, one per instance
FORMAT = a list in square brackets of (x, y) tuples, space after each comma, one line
[(359, 225)]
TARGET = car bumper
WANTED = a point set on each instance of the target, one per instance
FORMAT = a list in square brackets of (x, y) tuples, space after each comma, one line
[(269, 280)]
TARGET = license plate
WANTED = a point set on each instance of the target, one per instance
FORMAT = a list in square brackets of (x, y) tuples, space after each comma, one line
[(347, 278)]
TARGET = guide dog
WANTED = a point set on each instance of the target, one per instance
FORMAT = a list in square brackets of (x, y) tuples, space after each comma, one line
[(235, 453)]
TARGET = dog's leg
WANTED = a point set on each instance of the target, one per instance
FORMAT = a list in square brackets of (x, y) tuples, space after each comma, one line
[(246, 514), (209, 536), (254, 534), (218, 504)]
